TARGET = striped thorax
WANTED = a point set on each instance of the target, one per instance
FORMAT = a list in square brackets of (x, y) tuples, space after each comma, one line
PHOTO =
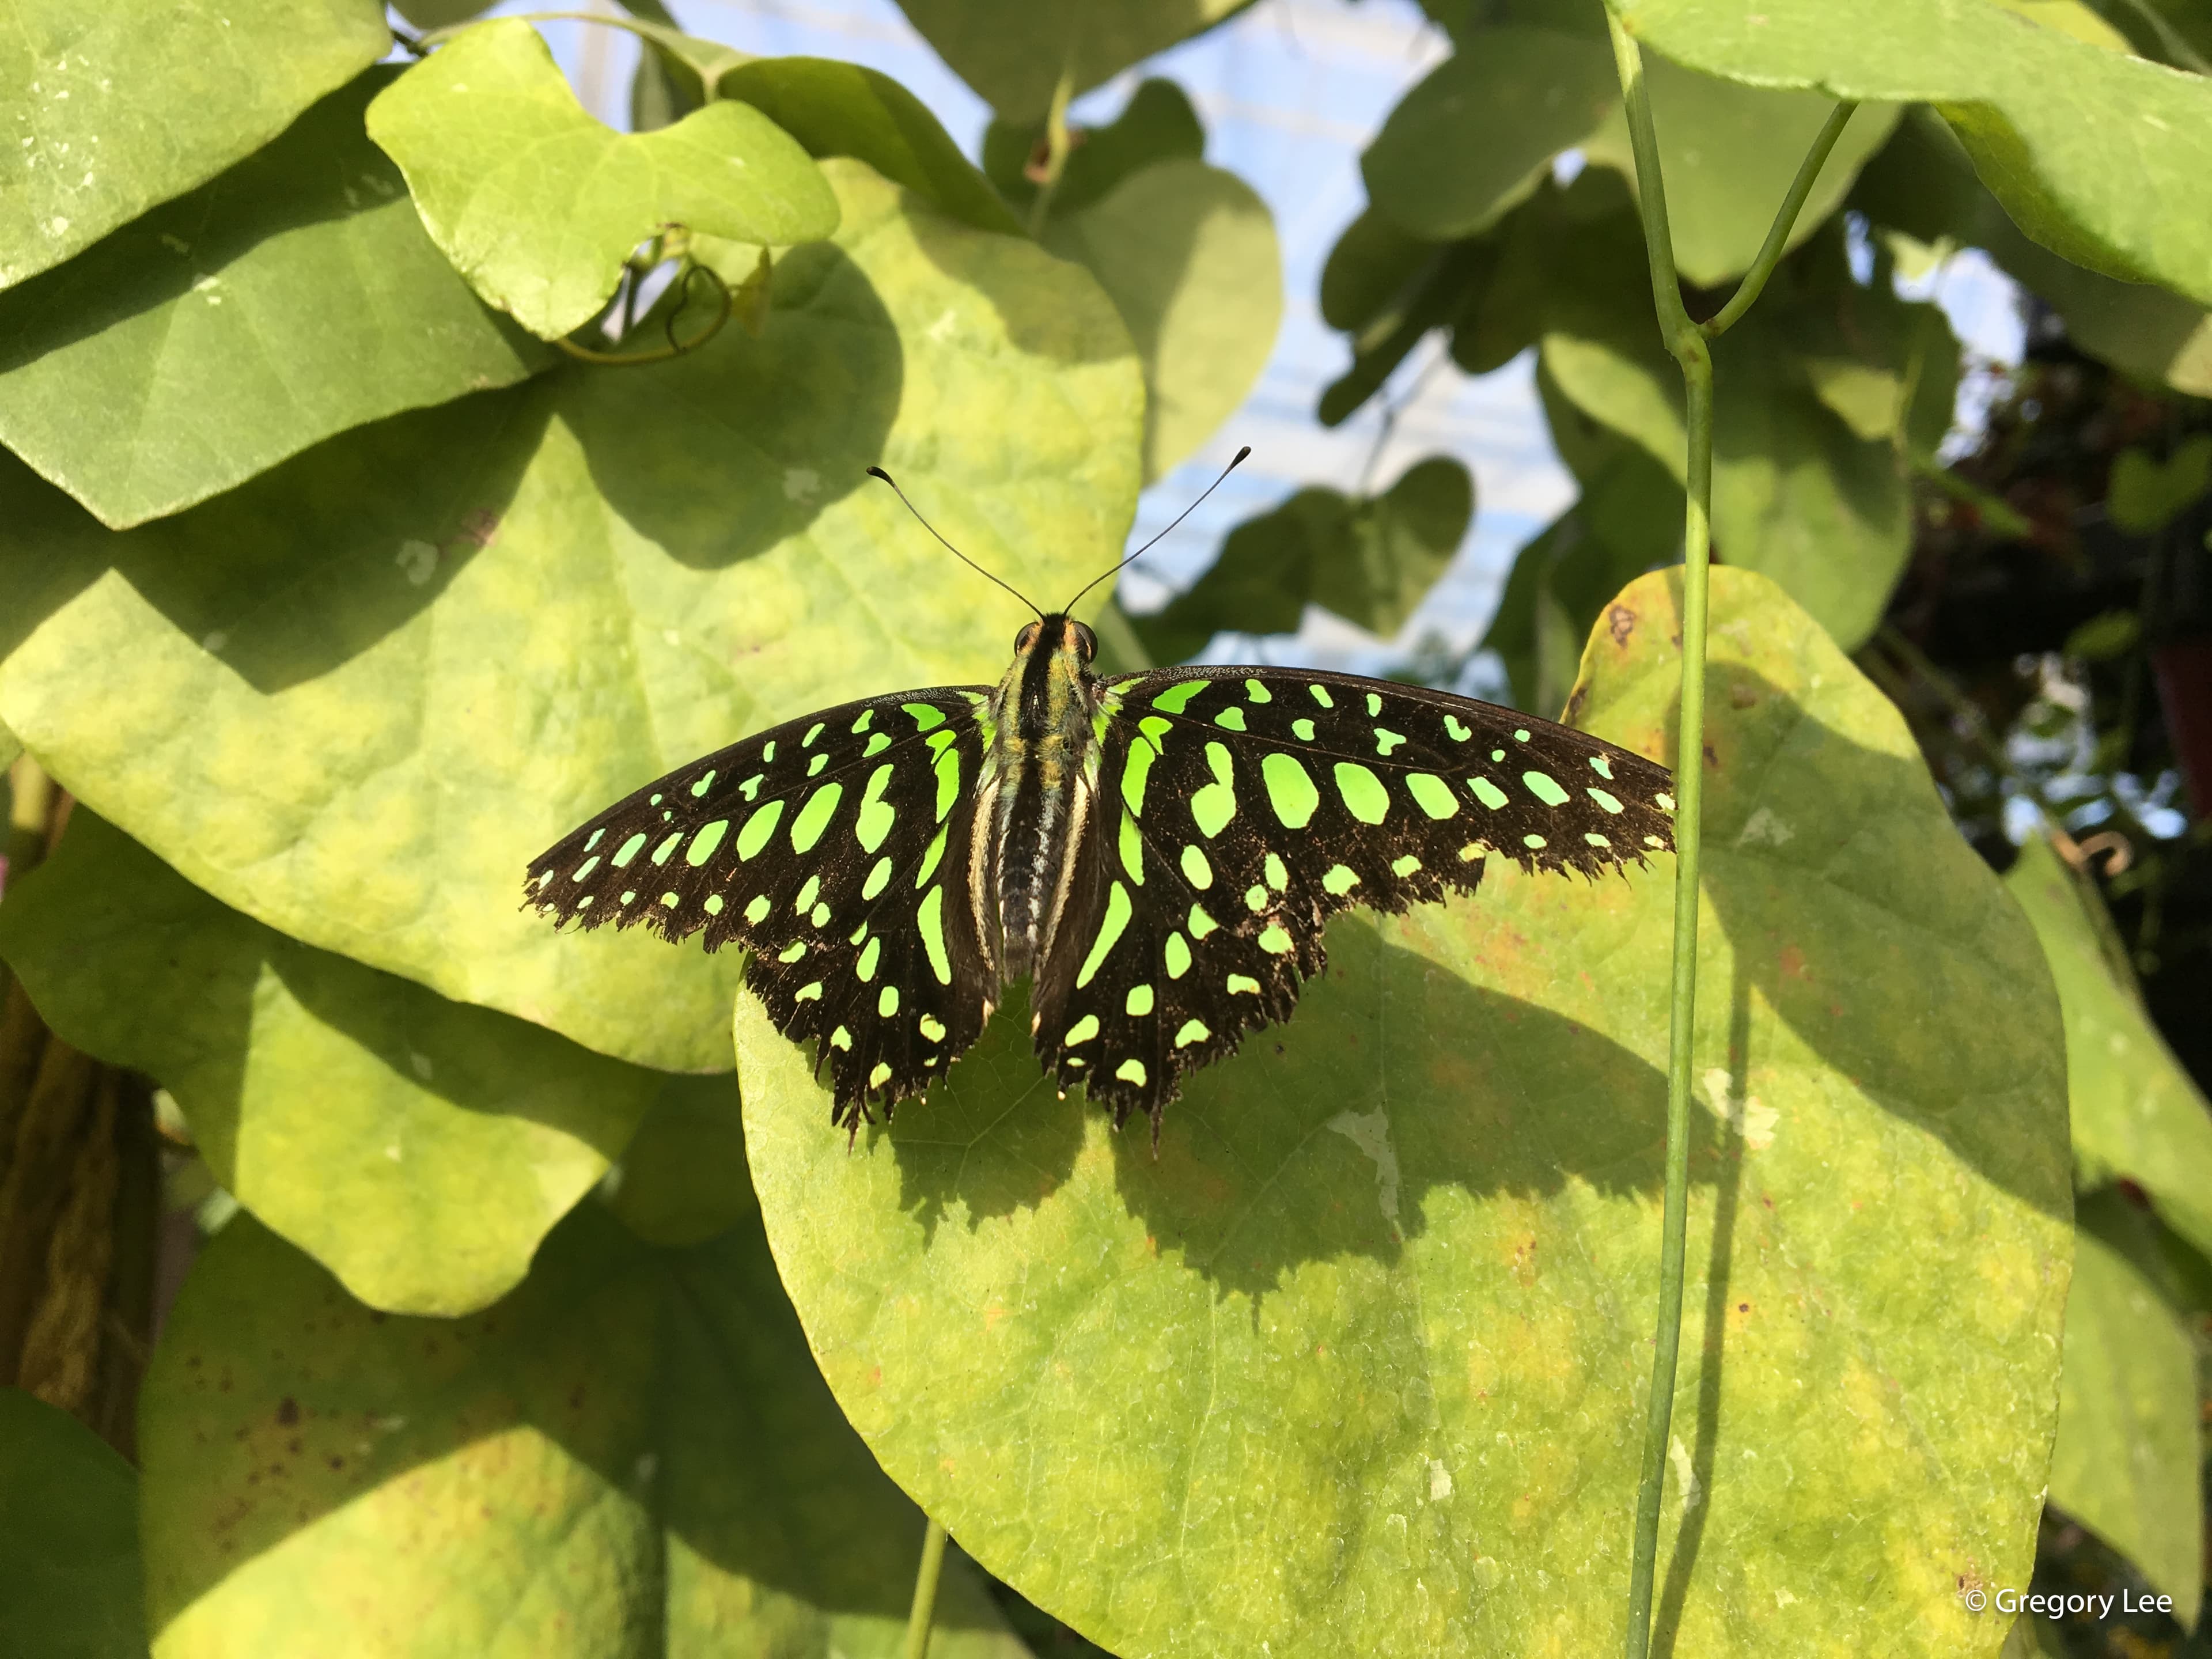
[(1040, 777)]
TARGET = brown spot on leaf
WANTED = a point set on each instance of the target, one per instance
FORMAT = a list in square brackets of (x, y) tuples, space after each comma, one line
[(288, 1411), (1575, 705), (337, 1462), (1711, 759), (1793, 963), (1620, 623), (1741, 696)]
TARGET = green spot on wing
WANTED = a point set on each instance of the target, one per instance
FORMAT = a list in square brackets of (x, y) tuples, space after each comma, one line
[(1213, 804), (1545, 787), (1118, 911), (814, 816), (1431, 794), (757, 830), (1363, 795), (930, 919), (704, 843), (1291, 788), (1177, 698)]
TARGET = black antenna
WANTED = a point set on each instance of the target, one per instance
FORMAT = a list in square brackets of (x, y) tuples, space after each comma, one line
[(1177, 519), (878, 472)]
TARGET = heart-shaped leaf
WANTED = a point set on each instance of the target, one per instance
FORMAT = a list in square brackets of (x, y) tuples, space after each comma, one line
[(418, 1148), (353, 698), (1357, 1363), (631, 1454), (538, 205)]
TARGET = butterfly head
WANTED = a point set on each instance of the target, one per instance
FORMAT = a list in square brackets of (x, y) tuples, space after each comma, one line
[(1060, 635)]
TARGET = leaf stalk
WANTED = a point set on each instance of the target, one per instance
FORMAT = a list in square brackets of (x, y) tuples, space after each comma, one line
[(1690, 345), (924, 1592)]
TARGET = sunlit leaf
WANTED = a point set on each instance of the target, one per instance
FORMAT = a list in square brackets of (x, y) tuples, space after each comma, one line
[(1357, 1364), (631, 1454), (1014, 52), (293, 297), (108, 109), (2136, 1114), (68, 1537), (354, 697), (418, 1148), (538, 204), (1369, 560), (2127, 1462), (2051, 122)]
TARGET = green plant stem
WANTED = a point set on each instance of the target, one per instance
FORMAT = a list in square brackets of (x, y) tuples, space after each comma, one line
[(924, 1592), (1058, 141), (1777, 235)]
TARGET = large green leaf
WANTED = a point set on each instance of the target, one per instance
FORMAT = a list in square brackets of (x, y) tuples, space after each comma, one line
[(105, 110), (293, 297), (631, 1455), (845, 109), (1187, 253), (2136, 1112), (1371, 561), (1474, 139), (1356, 1364), (69, 1538), (354, 697), (538, 205), (1923, 184), (418, 1148), (2127, 1462), (2101, 157), (1014, 52), (1729, 154)]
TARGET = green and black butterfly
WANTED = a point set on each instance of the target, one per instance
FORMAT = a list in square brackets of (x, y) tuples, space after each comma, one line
[(1158, 852)]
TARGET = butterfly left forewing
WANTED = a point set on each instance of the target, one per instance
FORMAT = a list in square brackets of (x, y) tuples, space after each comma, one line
[(833, 848), (1236, 810)]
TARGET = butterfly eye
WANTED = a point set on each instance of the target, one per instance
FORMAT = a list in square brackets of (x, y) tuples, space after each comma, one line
[(1086, 643), (1027, 637)]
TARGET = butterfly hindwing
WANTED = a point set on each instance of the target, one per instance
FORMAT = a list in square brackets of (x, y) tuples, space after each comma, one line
[(1236, 810), (835, 849)]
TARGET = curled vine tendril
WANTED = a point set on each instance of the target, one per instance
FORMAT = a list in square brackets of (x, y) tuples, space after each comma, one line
[(676, 348)]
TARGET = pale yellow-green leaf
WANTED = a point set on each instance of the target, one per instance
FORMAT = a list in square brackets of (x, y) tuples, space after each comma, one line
[(632, 1456), (1357, 1364)]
